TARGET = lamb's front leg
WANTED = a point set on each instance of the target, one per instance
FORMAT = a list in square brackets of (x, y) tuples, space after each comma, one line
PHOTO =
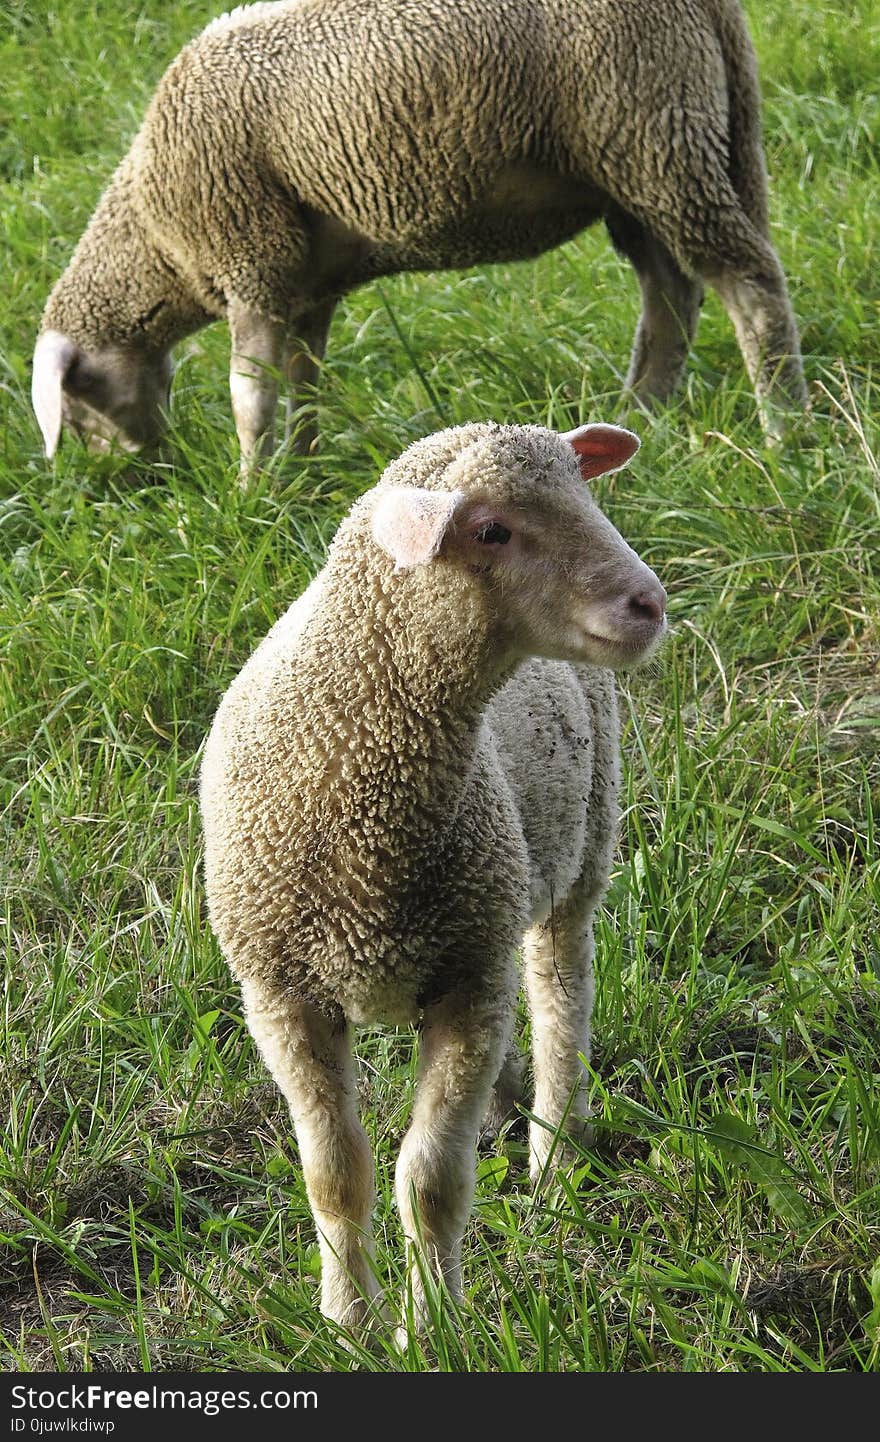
[(257, 355), (558, 961), (462, 1046), (309, 1055)]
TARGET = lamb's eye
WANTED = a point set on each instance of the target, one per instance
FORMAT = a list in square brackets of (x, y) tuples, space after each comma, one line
[(493, 535)]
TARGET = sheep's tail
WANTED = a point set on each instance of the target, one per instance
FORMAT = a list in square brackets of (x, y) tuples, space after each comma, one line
[(747, 166)]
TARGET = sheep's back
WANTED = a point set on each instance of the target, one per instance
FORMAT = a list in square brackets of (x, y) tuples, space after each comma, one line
[(361, 137)]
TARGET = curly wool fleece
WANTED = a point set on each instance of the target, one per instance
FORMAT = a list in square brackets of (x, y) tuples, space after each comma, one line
[(293, 151)]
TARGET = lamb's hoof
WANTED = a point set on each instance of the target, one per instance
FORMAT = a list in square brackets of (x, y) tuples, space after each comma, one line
[(497, 1130), (503, 1113), (364, 1325), (559, 1152), (415, 1328)]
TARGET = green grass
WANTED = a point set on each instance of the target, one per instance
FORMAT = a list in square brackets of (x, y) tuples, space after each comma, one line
[(152, 1214)]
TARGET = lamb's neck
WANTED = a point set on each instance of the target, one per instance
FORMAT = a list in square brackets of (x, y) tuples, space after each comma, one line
[(402, 698), (118, 289)]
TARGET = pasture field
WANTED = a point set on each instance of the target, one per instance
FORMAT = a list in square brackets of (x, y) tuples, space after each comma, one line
[(152, 1214)]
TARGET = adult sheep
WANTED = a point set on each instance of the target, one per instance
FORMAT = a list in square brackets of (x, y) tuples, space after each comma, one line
[(397, 795), (293, 151)]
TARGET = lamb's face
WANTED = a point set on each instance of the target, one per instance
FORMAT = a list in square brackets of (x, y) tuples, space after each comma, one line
[(518, 523), (563, 583), (117, 397)]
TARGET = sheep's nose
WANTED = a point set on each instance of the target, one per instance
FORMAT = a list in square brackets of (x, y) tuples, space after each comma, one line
[(649, 603)]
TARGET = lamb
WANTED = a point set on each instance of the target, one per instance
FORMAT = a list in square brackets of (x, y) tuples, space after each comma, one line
[(293, 151), (414, 775)]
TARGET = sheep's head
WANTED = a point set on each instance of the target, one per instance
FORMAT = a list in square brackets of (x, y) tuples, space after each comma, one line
[(117, 396), (512, 513)]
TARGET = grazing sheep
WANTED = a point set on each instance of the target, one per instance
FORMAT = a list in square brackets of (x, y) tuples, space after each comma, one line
[(294, 151), (414, 775)]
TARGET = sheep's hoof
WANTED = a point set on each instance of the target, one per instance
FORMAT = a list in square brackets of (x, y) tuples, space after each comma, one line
[(782, 426), (301, 437), (402, 1335), (250, 469)]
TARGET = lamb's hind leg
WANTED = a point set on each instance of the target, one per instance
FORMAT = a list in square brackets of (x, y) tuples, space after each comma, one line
[(310, 1057), (507, 1095), (671, 304), (462, 1045), (558, 963)]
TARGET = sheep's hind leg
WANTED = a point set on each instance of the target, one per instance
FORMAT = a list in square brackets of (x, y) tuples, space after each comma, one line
[(302, 366), (755, 295), (310, 1057), (462, 1047), (257, 355), (736, 257), (558, 964), (671, 304)]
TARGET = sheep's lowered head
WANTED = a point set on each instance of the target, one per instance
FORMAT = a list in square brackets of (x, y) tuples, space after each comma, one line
[(117, 396), (506, 512)]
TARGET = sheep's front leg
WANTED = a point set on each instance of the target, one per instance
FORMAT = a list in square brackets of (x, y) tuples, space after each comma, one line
[(462, 1047), (310, 1057), (257, 353), (302, 367), (558, 959)]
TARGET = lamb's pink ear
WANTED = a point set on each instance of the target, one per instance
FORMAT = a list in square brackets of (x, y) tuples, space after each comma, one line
[(410, 523), (54, 355), (600, 449)]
